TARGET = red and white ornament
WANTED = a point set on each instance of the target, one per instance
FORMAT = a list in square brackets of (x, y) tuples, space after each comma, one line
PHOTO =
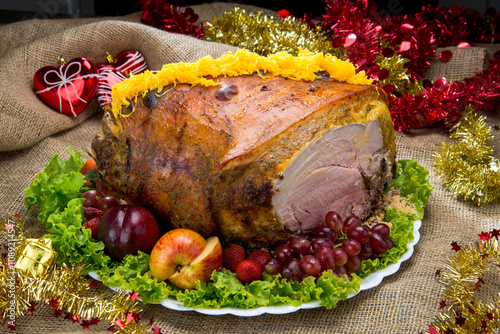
[(115, 70), (69, 87)]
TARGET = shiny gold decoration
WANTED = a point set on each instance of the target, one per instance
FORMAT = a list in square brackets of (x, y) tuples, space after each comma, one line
[(37, 257), (460, 279), (398, 74), (74, 295), (133, 327), (61, 286), (266, 35), (468, 167)]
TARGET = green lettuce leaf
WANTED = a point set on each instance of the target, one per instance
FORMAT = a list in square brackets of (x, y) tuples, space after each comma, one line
[(72, 242), (411, 181), (60, 182), (132, 275), (56, 192)]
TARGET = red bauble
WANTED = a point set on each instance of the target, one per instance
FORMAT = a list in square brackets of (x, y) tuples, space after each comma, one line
[(129, 62), (69, 87), (115, 70)]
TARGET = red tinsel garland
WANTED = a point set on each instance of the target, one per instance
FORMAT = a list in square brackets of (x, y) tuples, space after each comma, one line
[(441, 106), (357, 28), (412, 37), (163, 15), (355, 32)]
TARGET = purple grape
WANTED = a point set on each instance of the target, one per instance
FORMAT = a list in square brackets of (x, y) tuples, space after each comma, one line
[(321, 242), (325, 257), (107, 202), (334, 221), (340, 270), (353, 264), (291, 270), (273, 267), (325, 232), (91, 198), (310, 265), (299, 245), (283, 254), (349, 222), (366, 251), (378, 243), (352, 247), (340, 257), (360, 233), (381, 229)]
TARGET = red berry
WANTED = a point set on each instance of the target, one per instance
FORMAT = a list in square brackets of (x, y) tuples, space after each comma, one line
[(260, 256), (87, 166), (91, 212), (232, 255), (93, 225), (248, 271)]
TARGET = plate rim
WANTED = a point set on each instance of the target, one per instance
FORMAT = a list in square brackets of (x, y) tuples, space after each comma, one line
[(369, 282)]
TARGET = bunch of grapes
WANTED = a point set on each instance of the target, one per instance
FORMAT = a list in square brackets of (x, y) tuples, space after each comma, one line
[(339, 245), (96, 200)]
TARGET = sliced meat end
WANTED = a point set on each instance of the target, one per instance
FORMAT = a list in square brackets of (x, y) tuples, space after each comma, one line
[(342, 170)]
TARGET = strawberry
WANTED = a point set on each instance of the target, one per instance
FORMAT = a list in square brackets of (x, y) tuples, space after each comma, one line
[(232, 255), (90, 212), (93, 224), (248, 271), (87, 166), (260, 256)]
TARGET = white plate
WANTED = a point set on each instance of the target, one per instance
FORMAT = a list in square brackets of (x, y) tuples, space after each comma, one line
[(368, 282)]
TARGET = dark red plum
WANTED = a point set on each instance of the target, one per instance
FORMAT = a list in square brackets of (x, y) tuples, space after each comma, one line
[(127, 229)]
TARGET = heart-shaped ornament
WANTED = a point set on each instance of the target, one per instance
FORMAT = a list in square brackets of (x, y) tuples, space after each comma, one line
[(130, 62), (108, 76), (69, 87), (115, 70)]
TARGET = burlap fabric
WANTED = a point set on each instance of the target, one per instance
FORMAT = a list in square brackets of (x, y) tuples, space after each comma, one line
[(30, 133)]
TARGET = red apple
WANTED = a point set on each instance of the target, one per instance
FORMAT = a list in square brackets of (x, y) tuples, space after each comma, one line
[(184, 257), (127, 229)]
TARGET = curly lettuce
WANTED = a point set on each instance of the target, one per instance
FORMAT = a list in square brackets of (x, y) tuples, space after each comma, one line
[(56, 185), (411, 181), (57, 190)]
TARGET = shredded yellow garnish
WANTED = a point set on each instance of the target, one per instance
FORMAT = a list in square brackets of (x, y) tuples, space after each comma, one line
[(242, 62)]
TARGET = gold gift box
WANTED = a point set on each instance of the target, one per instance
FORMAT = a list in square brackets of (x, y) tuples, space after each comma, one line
[(37, 257)]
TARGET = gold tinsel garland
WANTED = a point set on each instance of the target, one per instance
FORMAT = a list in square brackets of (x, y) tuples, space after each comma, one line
[(468, 167), (460, 280), (266, 35), (62, 287)]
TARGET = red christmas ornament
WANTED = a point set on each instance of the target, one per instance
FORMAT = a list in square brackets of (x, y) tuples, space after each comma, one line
[(282, 13), (115, 70), (108, 76), (445, 55), (69, 87)]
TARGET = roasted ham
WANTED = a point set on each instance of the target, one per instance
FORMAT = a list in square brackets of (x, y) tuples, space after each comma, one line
[(254, 160)]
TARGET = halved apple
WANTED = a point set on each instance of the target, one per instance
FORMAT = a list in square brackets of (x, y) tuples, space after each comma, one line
[(183, 256), (201, 268)]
